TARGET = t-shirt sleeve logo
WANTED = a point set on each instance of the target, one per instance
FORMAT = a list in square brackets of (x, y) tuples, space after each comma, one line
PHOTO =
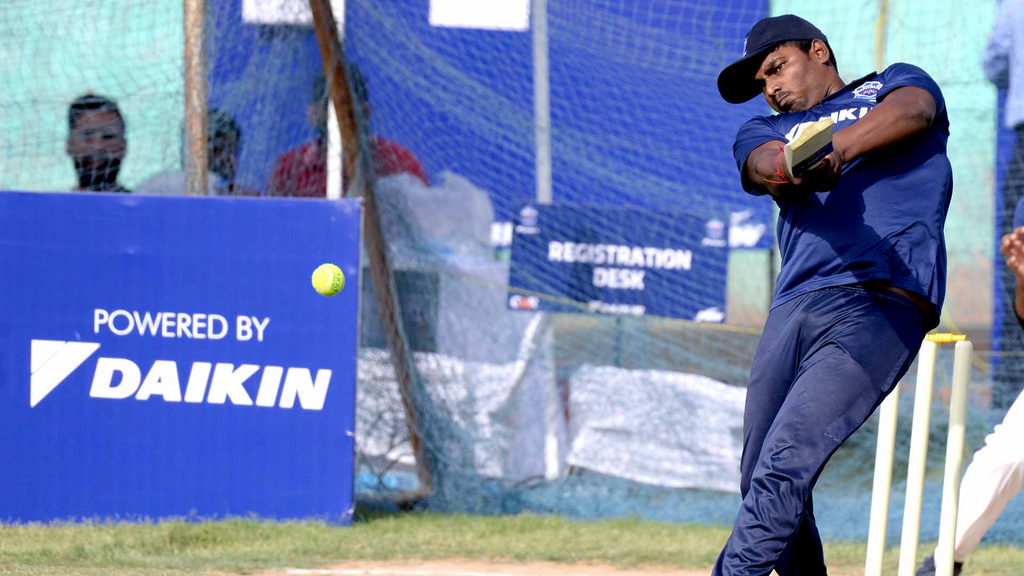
[(867, 90)]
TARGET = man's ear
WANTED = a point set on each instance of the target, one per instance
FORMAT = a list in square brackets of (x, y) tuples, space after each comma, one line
[(820, 51)]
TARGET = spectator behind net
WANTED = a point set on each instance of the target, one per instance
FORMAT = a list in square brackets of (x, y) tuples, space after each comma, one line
[(224, 142), (302, 171), (96, 143)]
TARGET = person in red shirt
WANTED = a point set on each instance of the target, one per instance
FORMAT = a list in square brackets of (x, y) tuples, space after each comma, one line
[(302, 171)]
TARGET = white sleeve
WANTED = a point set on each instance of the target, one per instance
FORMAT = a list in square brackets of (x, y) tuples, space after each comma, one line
[(167, 182)]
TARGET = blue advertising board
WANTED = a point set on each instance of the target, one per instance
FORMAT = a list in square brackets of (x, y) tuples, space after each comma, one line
[(167, 356), (573, 258)]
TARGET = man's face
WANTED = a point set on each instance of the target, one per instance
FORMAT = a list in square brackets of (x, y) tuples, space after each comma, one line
[(795, 80), (224, 156), (97, 143)]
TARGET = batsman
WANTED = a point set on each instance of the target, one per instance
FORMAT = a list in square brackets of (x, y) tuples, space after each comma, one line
[(863, 272)]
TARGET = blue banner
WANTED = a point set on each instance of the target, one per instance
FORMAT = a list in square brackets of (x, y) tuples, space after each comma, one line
[(571, 258), (168, 356)]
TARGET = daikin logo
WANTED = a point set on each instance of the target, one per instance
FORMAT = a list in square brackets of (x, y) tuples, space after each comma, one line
[(52, 361)]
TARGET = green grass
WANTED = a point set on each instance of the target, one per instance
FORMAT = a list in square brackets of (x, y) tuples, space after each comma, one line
[(245, 546)]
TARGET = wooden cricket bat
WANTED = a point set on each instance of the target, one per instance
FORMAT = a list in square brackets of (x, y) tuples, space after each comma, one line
[(812, 143)]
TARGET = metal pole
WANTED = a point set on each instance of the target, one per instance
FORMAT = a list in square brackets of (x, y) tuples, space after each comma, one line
[(334, 143), (335, 156), (196, 161), (542, 101), (542, 134)]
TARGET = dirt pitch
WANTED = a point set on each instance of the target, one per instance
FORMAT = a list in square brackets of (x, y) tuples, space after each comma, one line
[(476, 568)]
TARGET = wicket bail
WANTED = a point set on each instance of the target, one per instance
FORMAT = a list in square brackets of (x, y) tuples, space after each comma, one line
[(882, 486)]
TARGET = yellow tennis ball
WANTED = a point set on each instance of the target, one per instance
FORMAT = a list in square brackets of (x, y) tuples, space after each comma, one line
[(328, 279)]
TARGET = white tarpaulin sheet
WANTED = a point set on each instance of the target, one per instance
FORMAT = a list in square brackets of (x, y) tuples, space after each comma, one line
[(657, 427)]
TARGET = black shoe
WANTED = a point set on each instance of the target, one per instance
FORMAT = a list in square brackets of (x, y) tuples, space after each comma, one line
[(928, 567)]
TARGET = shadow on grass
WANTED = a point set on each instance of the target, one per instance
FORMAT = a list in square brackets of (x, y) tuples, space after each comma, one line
[(368, 510)]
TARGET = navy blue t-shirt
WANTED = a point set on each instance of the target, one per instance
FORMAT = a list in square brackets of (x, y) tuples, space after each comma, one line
[(885, 217)]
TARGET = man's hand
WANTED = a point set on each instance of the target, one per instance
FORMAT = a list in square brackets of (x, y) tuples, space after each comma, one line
[(821, 178), (1012, 248), (765, 163)]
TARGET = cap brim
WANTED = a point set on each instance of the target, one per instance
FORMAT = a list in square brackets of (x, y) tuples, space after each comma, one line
[(736, 83)]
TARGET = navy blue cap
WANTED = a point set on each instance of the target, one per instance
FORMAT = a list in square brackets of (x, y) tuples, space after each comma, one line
[(736, 83)]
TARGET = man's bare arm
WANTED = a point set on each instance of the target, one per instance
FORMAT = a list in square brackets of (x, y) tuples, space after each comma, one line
[(903, 113)]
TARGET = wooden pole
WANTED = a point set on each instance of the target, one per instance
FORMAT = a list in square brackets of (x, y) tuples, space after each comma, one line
[(880, 27), (357, 166), (196, 161)]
